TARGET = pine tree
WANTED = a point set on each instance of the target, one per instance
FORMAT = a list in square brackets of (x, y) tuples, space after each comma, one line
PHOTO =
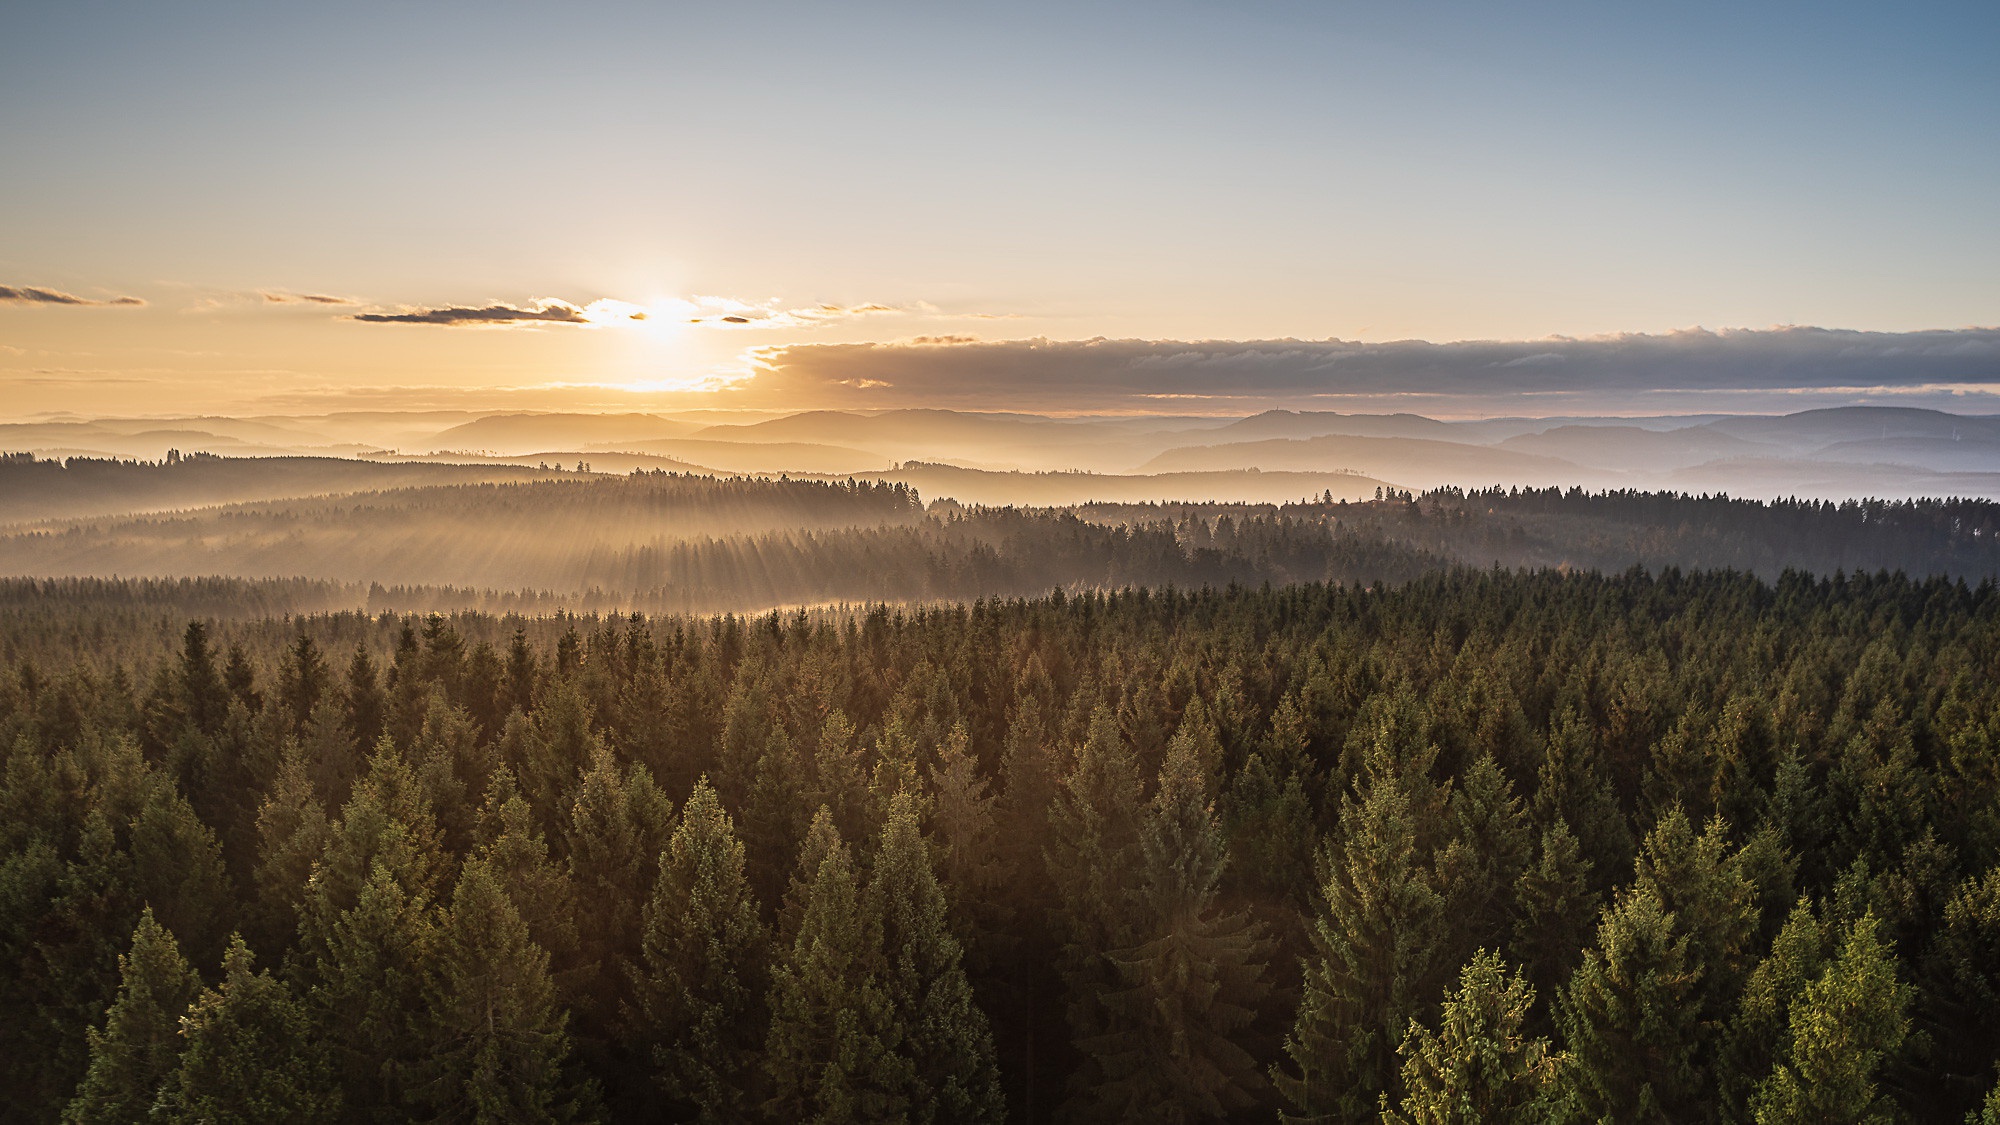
[(1843, 1026), (1093, 848), (1193, 981), (970, 863), (292, 832), (496, 1043), (831, 1055), (139, 1046), (366, 991), (251, 1056), (1555, 914), (939, 1031), (514, 851), (1631, 1020), (1479, 1067), (177, 869), (616, 829), (1757, 1031), (1376, 962), (702, 979)]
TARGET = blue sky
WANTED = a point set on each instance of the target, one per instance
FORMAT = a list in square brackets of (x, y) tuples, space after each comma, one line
[(1161, 171)]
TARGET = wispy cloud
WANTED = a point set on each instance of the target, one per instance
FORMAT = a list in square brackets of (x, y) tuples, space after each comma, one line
[(35, 295), (703, 310), (280, 297), (728, 312)]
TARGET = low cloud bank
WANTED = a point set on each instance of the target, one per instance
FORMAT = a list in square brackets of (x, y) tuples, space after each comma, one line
[(1737, 369)]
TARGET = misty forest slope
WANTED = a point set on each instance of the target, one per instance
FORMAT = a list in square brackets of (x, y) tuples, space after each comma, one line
[(667, 541), (41, 489)]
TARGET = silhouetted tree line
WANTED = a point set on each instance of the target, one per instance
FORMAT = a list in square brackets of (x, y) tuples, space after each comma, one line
[(1488, 846), (1551, 527)]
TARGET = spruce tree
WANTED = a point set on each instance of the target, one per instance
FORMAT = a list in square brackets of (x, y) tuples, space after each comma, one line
[(1376, 961), (513, 850), (1092, 850), (1479, 1067), (1843, 1026), (1757, 1032), (139, 1047), (1958, 1011), (1556, 909), (251, 1056), (1631, 1020), (292, 832), (1480, 869), (365, 991), (701, 982), (1192, 983), (831, 1056), (970, 863), (496, 1040), (940, 1032), (177, 869), (614, 833)]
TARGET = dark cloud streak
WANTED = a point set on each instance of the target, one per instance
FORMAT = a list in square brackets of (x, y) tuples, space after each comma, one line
[(35, 295), (554, 312)]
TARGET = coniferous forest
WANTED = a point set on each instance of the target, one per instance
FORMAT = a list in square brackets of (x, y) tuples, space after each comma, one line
[(1481, 845)]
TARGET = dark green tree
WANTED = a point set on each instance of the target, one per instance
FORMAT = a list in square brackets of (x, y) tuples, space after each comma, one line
[(497, 1039), (250, 1056), (701, 981), (1377, 955), (940, 1032), (1631, 1020), (139, 1047), (1194, 980), (831, 1056), (1843, 1026), (1480, 1067)]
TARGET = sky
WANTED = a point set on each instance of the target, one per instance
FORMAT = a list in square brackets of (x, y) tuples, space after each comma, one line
[(258, 208)]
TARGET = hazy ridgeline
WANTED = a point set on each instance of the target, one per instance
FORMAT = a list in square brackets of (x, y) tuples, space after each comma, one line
[(662, 542), (1691, 848), (42, 489)]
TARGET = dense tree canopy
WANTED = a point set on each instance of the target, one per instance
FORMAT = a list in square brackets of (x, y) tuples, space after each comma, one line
[(1481, 845)]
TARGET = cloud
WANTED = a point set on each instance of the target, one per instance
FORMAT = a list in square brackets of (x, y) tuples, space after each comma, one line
[(728, 312), (284, 298), (706, 310), (1626, 373), (34, 295), (539, 312)]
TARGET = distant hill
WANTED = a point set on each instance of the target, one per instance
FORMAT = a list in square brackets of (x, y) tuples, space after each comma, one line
[(526, 433), (757, 457), (42, 490), (999, 441), (1630, 449), (1414, 462)]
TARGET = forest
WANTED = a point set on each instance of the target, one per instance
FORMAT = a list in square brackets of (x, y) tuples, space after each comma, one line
[(1474, 845), (671, 542)]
